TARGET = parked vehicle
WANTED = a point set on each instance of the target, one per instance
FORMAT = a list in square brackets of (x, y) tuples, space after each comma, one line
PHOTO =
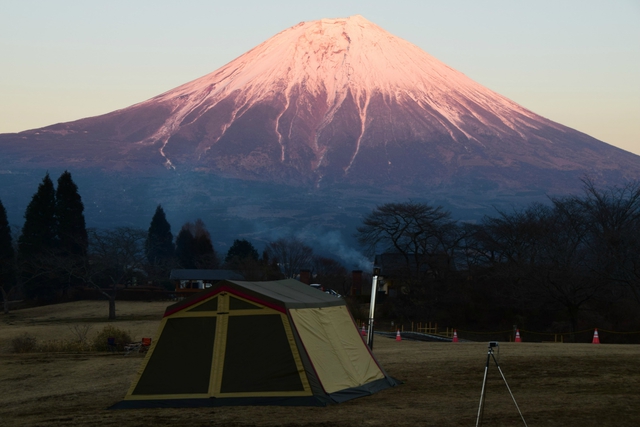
[(325, 290)]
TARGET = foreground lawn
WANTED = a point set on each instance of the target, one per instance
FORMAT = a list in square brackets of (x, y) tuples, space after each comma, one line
[(554, 384)]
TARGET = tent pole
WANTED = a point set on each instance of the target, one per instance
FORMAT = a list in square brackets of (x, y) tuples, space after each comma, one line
[(372, 306)]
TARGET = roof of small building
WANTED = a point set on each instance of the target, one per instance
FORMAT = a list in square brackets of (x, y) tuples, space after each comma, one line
[(197, 274)]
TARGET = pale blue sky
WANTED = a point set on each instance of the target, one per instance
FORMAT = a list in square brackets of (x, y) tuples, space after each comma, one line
[(576, 62)]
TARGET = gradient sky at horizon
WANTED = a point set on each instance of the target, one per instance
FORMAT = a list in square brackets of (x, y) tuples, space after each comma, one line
[(574, 62)]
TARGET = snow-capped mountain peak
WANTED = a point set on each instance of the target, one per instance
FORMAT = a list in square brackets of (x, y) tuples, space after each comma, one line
[(342, 100)]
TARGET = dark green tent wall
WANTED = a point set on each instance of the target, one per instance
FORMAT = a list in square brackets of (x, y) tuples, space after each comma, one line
[(256, 343)]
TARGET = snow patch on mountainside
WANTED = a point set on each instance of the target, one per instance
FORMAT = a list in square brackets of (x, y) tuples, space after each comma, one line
[(362, 110)]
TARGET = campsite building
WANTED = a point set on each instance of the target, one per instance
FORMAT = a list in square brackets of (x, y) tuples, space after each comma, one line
[(189, 281)]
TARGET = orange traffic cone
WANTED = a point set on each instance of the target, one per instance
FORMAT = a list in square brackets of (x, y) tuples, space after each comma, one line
[(455, 336), (518, 335), (363, 332), (596, 338), (398, 337)]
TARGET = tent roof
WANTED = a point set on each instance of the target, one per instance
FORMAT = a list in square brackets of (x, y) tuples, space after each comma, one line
[(288, 293)]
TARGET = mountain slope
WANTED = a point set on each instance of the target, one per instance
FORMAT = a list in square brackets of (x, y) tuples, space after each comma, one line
[(333, 101)]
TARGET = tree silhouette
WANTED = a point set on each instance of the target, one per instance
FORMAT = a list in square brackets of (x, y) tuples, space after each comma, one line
[(69, 212), (239, 252), (242, 258), (205, 255), (423, 239), (159, 247), (115, 257), (185, 248), (290, 254), (37, 243), (194, 248), (331, 274), (40, 229), (612, 216), (7, 267)]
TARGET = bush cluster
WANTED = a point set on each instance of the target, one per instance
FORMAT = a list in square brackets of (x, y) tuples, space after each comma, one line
[(122, 338), (26, 343), (23, 343)]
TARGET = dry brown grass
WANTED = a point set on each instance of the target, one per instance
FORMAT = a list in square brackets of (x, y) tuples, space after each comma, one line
[(554, 384), (58, 322)]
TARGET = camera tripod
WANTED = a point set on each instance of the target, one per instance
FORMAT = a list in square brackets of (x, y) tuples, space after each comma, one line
[(490, 355)]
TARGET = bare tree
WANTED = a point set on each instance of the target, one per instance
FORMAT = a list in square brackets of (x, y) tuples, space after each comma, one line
[(114, 257), (425, 237), (331, 274), (565, 260), (612, 217), (291, 255), (539, 258), (504, 250), (419, 246)]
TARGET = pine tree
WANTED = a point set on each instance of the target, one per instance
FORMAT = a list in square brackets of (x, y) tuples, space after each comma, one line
[(37, 243), (7, 276), (240, 251), (242, 257), (194, 248), (6, 242), (71, 231), (185, 247), (205, 255), (39, 229), (159, 246)]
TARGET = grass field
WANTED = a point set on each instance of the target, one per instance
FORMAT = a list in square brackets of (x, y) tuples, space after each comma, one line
[(554, 384)]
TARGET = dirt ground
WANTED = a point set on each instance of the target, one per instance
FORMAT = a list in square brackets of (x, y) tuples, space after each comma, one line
[(553, 384)]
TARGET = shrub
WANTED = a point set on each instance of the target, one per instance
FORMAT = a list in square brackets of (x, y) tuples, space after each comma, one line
[(81, 333), (24, 343), (122, 338)]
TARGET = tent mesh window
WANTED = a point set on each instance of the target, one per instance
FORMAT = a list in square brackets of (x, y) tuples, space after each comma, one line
[(181, 360), (258, 356)]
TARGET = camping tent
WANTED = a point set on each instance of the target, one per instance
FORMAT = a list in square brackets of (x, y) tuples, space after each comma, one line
[(256, 343)]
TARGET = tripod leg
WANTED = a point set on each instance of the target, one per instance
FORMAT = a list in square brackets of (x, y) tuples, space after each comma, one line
[(509, 389), (482, 394)]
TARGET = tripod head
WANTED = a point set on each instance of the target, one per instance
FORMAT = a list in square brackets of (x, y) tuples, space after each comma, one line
[(493, 345)]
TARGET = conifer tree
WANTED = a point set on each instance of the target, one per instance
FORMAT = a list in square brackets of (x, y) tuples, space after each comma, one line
[(194, 248), (37, 243), (71, 231), (6, 246), (205, 255), (241, 250), (185, 247), (39, 229), (7, 277), (159, 246), (242, 258)]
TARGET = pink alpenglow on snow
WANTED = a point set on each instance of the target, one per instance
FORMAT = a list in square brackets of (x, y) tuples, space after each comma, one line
[(341, 101), (315, 66)]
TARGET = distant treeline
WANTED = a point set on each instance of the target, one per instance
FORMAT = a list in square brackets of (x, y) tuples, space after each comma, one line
[(565, 266), (55, 252), (570, 265)]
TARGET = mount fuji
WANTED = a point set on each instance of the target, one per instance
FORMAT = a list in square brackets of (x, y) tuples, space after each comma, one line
[(325, 105)]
